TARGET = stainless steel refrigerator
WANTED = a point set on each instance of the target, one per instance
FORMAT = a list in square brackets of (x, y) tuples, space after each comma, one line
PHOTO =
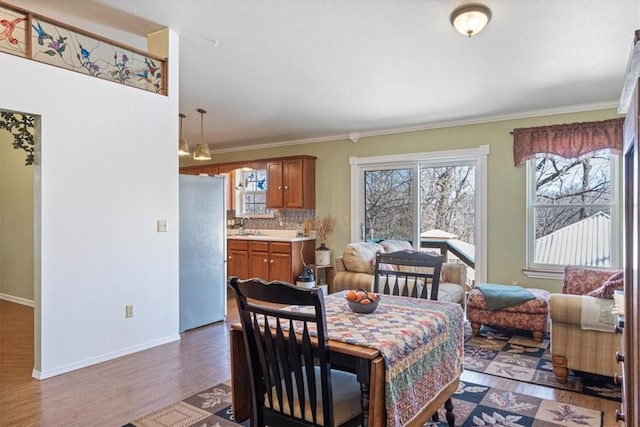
[(203, 248)]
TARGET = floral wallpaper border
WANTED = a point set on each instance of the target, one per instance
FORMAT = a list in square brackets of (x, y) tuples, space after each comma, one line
[(44, 40)]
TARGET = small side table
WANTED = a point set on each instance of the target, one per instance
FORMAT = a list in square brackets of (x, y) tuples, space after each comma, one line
[(328, 273)]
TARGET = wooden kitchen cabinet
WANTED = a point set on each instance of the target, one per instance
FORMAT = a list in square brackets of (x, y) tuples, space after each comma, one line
[(291, 183), (281, 262), (237, 258), (271, 261), (268, 260), (259, 260)]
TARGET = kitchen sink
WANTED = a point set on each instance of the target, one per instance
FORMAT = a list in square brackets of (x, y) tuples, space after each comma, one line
[(248, 234)]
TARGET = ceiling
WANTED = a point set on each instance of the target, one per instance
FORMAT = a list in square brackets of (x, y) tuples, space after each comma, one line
[(272, 72)]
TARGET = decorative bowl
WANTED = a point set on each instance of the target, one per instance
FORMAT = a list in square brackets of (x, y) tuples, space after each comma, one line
[(366, 302)]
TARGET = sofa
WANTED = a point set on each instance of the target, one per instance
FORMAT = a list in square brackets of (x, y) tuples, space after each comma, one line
[(583, 334), (355, 269)]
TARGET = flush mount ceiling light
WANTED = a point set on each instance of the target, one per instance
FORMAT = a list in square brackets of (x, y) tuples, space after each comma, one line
[(183, 145), (470, 19), (202, 150)]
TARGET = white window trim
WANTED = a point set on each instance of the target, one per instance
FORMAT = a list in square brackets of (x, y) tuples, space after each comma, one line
[(239, 201), (549, 271), (476, 156)]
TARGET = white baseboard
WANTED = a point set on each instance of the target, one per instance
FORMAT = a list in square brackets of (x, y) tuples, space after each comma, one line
[(17, 300), (42, 375)]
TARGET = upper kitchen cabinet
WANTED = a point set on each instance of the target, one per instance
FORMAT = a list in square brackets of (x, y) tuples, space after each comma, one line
[(291, 183)]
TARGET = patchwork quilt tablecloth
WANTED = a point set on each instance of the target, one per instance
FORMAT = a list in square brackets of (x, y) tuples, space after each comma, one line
[(420, 340)]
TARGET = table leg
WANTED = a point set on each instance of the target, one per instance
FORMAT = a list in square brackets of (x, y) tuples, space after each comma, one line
[(364, 401), (377, 408)]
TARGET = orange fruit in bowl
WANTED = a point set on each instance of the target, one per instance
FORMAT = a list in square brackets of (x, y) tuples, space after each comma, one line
[(373, 296), (352, 295), (365, 301)]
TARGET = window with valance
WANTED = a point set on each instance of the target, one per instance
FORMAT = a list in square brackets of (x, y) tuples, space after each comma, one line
[(571, 193), (567, 140)]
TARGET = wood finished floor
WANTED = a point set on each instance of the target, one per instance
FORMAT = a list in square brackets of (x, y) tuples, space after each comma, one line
[(118, 391)]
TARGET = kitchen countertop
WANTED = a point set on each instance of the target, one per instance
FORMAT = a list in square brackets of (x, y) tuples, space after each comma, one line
[(267, 235)]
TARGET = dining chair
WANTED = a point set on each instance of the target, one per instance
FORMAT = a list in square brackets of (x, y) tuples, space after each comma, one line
[(408, 273), (292, 383)]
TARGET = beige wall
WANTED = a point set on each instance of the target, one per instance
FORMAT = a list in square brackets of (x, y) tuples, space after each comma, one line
[(16, 222), (506, 183)]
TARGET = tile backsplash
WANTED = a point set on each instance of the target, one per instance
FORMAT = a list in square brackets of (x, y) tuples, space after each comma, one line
[(285, 219)]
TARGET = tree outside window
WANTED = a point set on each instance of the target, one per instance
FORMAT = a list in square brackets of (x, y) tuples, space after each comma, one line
[(571, 205)]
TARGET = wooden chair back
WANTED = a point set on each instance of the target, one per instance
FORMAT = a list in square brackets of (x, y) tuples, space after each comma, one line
[(282, 360), (408, 273)]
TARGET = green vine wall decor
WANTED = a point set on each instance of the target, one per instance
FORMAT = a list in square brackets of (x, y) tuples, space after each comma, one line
[(21, 127)]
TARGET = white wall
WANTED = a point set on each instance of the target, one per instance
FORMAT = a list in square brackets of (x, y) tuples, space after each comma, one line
[(108, 172)]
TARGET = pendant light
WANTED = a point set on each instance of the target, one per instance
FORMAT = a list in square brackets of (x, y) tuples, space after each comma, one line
[(183, 145), (202, 150)]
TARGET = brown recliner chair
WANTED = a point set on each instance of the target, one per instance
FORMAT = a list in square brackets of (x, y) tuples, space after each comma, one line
[(572, 345)]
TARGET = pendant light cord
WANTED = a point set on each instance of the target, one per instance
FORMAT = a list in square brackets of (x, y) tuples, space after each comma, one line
[(202, 113)]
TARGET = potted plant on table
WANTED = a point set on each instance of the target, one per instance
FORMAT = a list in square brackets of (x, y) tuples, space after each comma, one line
[(323, 225)]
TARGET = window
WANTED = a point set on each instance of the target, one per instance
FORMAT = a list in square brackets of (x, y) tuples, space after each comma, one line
[(251, 189), (434, 200), (572, 211)]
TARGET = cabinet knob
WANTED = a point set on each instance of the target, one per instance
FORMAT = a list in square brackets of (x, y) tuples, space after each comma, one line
[(619, 357), (286, 187), (279, 187), (616, 378), (229, 256), (619, 416), (271, 261), (265, 260)]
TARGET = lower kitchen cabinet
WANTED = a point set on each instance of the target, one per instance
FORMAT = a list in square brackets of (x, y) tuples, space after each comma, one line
[(268, 260), (237, 258)]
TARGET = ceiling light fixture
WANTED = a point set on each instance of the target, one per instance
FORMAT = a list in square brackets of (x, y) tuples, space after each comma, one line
[(470, 19), (183, 145), (202, 150)]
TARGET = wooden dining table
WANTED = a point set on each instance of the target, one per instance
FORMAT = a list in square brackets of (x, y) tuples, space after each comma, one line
[(407, 356)]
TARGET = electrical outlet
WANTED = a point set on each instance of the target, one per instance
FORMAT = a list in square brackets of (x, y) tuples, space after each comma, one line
[(162, 226), (128, 311), (345, 220)]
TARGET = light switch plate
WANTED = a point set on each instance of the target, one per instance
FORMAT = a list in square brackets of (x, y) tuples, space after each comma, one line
[(162, 226)]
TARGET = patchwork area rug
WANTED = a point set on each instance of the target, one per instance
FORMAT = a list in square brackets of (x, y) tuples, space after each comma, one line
[(473, 405), (504, 353)]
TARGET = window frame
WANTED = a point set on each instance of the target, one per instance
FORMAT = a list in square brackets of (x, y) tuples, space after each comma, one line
[(556, 271), (240, 192), (476, 156)]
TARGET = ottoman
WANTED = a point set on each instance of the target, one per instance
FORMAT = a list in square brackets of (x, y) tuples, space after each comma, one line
[(530, 316)]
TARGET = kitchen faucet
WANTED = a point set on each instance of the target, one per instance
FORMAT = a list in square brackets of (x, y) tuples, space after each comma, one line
[(244, 230)]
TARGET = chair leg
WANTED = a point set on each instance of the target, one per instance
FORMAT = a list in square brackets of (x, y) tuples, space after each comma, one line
[(475, 327), (538, 336), (560, 369), (451, 418)]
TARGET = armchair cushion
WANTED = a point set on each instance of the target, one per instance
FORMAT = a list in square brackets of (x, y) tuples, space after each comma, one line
[(580, 280), (396, 245), (615, 282), (357, 256)]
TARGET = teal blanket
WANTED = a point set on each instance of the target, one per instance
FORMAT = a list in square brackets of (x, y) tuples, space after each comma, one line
[(501, 296)]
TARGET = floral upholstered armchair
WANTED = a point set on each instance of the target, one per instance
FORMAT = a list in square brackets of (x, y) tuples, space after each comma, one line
[(582, 324)]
